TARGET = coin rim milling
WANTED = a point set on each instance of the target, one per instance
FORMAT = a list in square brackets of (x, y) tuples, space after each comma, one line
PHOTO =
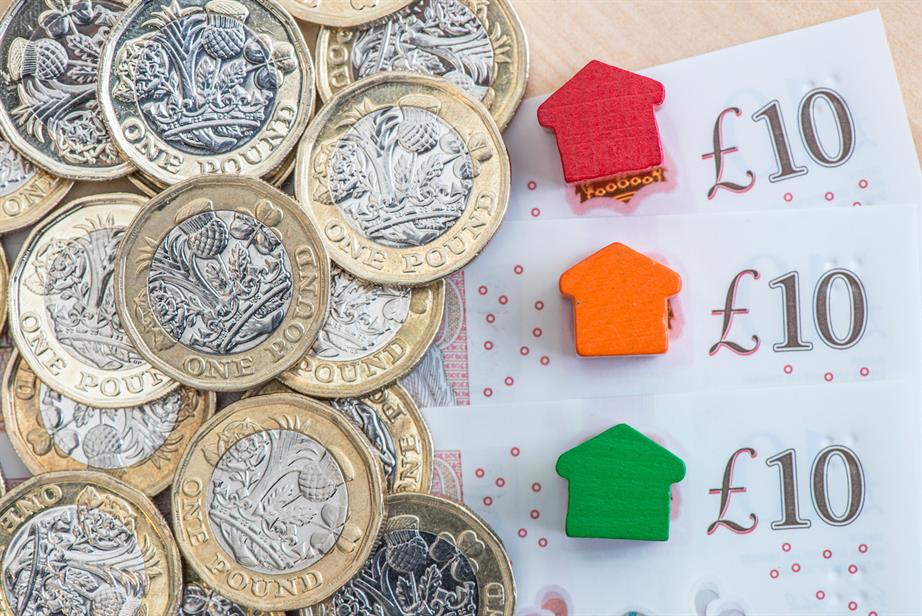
[(459, 519), (341, 16), (509, 84), (22, 416), (59, 382), (320, 423), (467, 117), (144, 508), (416, 333), (145, 235), (189, 167), (415, 426), (92, 173)]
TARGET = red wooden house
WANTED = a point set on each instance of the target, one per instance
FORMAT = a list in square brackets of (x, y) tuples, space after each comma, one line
[(604, 123)]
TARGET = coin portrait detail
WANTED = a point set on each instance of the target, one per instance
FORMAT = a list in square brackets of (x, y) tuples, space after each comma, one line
[(27, 192), (277, 501), (49, 57), (62, 307), (373, 335), (222, 283), (342, 13), (407, 178), (140, 445), (191, 87), (88, 542), (479, 46)]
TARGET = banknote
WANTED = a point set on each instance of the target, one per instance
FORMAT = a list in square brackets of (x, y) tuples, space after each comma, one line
[(799, 500)]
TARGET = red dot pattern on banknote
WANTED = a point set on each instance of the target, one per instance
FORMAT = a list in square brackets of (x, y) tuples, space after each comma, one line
[(837, 578)]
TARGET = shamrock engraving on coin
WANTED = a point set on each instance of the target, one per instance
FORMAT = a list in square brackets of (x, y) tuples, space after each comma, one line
[(373, 335), (478, 45), (200, 600), (49, 56), (85, 543), (407, 178), (139, 445), (62, 307), (394, 425), (222, 282), (27, 193), (277, 501), (342, 13), (190, 87), (434, 553)]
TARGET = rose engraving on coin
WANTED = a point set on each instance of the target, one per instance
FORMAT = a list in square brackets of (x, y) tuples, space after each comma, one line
[(401, 176), (363, 317), (434, 37), (201, 600), (220, 282), (413, 572), (203, 79), (81, 558), (51, 58)]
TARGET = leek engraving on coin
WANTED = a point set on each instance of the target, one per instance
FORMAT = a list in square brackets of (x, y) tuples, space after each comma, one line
[(55, 71), (370, 423), (401, 176), (414, 572), (15, 170), (75, 279), (363, 317), (204, 81), (220, 282), (278, 501), (79, 559), (435, 37), (108, 438)]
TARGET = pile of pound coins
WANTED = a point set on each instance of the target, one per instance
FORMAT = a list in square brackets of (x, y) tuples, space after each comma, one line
[(230, 333)]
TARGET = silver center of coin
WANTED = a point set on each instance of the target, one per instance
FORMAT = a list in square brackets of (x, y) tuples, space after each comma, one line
[(365, 418), (75, 279), (200, 601), (220, 282), (411, 572), (74, 559), (363, 318), (205, 82), (436, 37), (401, 176), (55, 69), (277, 501), (108, 438), (15, 170)]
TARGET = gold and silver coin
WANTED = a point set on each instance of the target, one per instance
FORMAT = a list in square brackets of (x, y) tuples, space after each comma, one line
[(4, 287), (394, 425), (342, 13), (190, 87), (62, 307), (478, 45), (199, 599), (49, 53), (222, 282), (85, 543), (139, 445), (278, 502), (434, 552), (406, 176), (27, 192), (373, 335)]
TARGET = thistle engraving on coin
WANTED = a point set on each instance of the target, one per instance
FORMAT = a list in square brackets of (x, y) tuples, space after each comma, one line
[(434, 37), (414, 572), (278, 501), (401, 176), (204, 80), (80, 558), (220, 282), (51, 63), (363, 317)]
